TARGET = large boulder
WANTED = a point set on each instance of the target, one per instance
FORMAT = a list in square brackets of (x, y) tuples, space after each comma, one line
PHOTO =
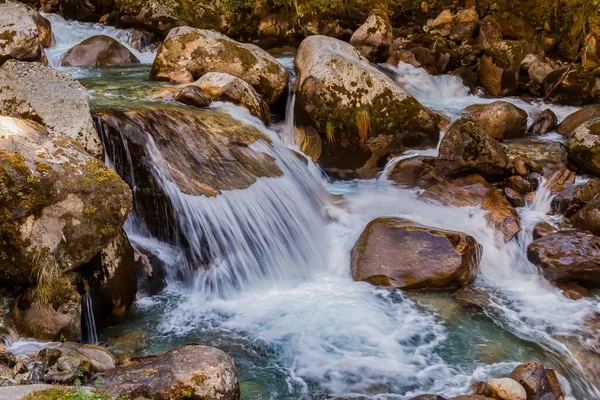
[(361, 114), (188, 372), (584, 146), (588, 217), (59, 205), (19, 36), (500, 119), (505, 389), (98, 51), (50, 311), (403, 254), (111, 279), (466, 148), (513, 27), (374, 38), (51, 98), (201, 51), (577, 87), (161, 16), (573, 121), (225, 87), (474, 191), (568, 256), (499, 68)]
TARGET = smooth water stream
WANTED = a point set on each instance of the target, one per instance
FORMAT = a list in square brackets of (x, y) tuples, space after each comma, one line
[(279, 297)]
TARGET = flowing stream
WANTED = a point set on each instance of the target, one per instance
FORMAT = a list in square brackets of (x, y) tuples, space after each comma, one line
[(279, 296)]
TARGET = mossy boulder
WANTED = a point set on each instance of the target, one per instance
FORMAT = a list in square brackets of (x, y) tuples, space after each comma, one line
[(59, 206), (201, 51), (362, 115), (584, 146), (51, 98), (474, 191), (500, 119), (50, 311), (574, 120), (111, 279), (19, 36), (466, 149), (161, 16), (188, 372), (499, 68), (374, 38), (98, 51), (403, 254), (225, 87), (577, 87)]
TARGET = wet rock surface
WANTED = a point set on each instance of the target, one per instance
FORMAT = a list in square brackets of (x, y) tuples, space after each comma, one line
[(98, 51)]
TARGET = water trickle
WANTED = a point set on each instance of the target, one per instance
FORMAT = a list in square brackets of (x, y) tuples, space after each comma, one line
[(89, 333)]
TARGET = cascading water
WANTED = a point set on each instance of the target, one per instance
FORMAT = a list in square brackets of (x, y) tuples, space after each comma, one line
[(90, 335)]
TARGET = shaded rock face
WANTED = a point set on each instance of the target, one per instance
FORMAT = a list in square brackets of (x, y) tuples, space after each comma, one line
[(98, 51), (44, 27), (161, 16), (374, 38), (309, 141), (225, 87), (498, 70), (51, 98), (200, 51), (19, 37), (539, 383), (544, 123), (400, 253), (59, 205), (584, 146), (192, 371), (568, 256), (111, 277), (53, 315), (202, 153), (570, 200), (361, 114), (577, 88), (500, 120), (466, 148), (193, 96), (473, 190), (579, 117)]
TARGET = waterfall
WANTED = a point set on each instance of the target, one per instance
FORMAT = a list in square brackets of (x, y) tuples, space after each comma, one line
[(89, 334), (271, 231)]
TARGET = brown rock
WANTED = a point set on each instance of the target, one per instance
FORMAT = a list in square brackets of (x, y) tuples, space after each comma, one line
[(19, 37), (568, 256), (574, 292), (183, 76), (498, 70), (309, 141), (193, 95), (505, 389), (536, 381), (399, 253), (571, 199), (519, 184), (466, 148), (426, 59), (542, 229), (561, 179), (98, 51), (584, 146), (515, 198), (472, 297), (544, 123), (500, 120), (573, 121), (588, 217), (374, 38), (576, 88), (473, 190), (415, 172), (513, 27), (489, 32), (44, 29)]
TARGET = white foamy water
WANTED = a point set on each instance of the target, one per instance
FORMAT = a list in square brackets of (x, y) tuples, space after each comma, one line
[(70, 33)]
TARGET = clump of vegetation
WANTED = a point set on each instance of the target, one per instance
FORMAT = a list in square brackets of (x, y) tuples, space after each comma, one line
[(363, 124), (330, 132), (53, 287)]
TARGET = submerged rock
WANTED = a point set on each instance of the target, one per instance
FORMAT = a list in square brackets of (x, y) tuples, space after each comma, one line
[(201, 51), (19, 35), (225, 87), (500, 119), (111, 277), (59, 205), (473, 190), (361, 114), (400, 253), (578, 118), (568, 256), (98, 51), (584, 146), (192, 371), (374, 38), (51, 98), (466, 148)]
